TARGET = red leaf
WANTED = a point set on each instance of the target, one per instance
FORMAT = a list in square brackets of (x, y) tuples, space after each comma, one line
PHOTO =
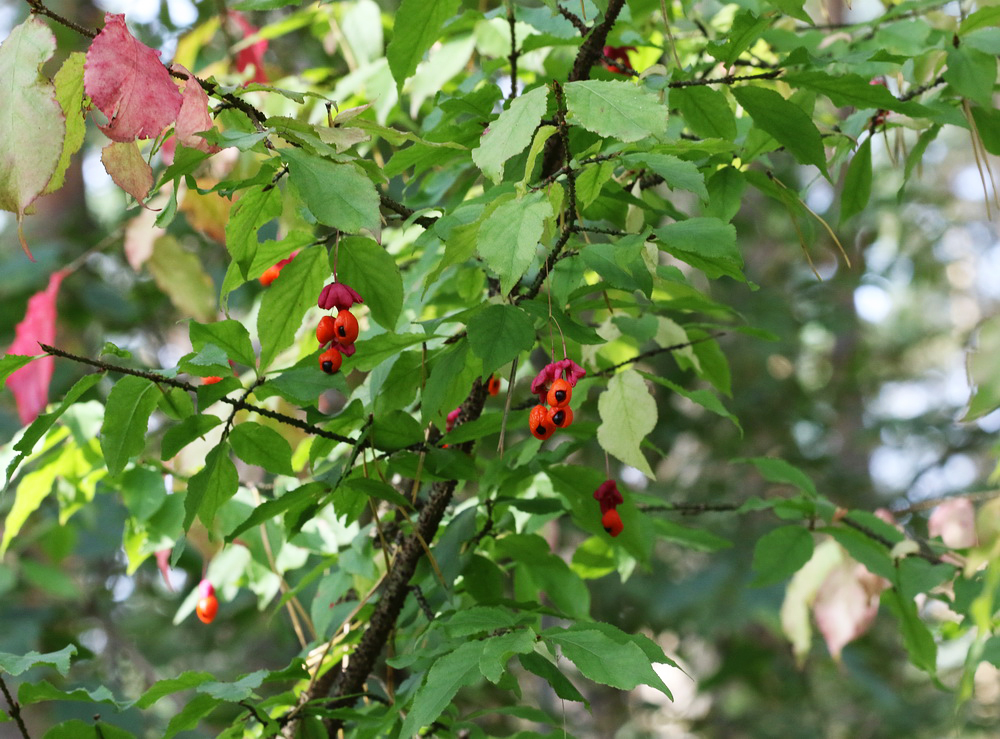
[(194, 116), (30, 384), (163, 563), (252, 54), (126, 81)]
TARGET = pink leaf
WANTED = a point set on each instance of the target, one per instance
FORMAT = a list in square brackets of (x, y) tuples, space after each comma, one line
[(955, 522), (846, 604), (30, 384), (252, 54), (128, 169), (126, 81), (194, 115)]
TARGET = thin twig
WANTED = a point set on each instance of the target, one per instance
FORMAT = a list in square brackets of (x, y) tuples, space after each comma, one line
[(38, 8), (729, 79), (171, 382), (15, 710), (608, 371), (514, 52), (400, 209)]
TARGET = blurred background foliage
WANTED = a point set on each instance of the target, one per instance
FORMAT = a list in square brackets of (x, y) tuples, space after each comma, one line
[(862, 387)]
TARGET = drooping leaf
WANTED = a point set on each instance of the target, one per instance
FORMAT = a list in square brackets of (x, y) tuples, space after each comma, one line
[(786, 122), (509, 237), (210, 487), (32, 124), (369, 269), (563, 687), (30, 384), (193, 116), (972, 73), (127, 82), (510, 133), (128, 169), (340, 195), (258, 205), (126, 418), (287, 300), (619, 110), (628, 414), (857, 182), (415, 28), (677, 173), (69, 93), (917, 638), (499, 333), (746, 29)]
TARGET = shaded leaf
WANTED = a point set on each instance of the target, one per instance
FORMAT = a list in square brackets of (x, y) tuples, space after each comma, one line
[(786, 122), (510, 133), (369, 269), (338, 194), (499, 333), (780, 553), (262, 446), (415, 28), (509, 237), (124, 162)]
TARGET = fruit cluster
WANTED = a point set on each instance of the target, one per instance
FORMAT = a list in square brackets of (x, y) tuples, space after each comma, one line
[(340, 332), (554, 387), (208, 604), (609, 498)]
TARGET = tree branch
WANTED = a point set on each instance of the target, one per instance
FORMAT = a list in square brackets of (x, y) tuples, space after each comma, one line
[(514, 53), (351, 681), (608, 371), (171, 382), (400, 209), (38, 8)]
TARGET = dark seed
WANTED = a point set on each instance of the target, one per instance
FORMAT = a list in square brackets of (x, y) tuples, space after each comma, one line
[(341, 331), (328, 367), (560, 395), (558, 417)]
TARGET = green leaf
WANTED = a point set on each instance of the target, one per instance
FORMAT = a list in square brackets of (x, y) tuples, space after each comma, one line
[(372, 352), (628, 414), (230, 336), (396, 430), (191, 428), (416, 27), (706, 112), (987, 17), (619, 110), (369, 269), (445, 677), (917, 638), (79, 729), (11, 363), (210, 487), (262, 446), (368, 488), (868, 552), (498, 334), (498, 649), (32, 126), (69, 92), (857, 182), (780, 553), (188, 717), (704, 398), (853, 90), (286, 301), (536, 663), (340, 195), (257, 206), (706, 243), (448, 384), (725, 193), (780, 471), (510, 133), (126, 418), (163, 688), (696, 539), (296, 499), (43, 690), (480, 620), (604, 660), (981, 367), (509, 237), (41, 425), (972, 73), (677, 173), (786, 122), (236, 691), (15, 664), (745, 31)]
